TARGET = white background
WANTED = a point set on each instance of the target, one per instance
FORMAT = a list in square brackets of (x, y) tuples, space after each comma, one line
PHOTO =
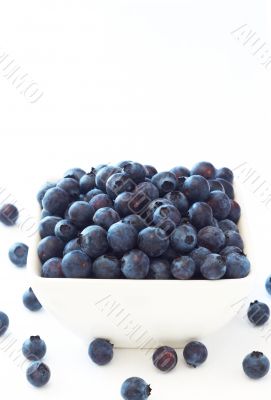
[(161, 82)]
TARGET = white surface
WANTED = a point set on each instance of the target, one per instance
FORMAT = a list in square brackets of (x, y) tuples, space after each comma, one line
[(163, 82)]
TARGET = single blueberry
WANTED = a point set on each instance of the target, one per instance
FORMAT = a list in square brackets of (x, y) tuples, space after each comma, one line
[(122, 237), (135, 171), (220, 204), (167, 217), (233, 238), (256, 365), (73, 244), (4, 323), (165, 358), (136, 221), (43, 190), (71, 186), (195, 353), (103, 174), (135, 264), (52, 268), (183, 267), (105, 217), (47, 226), (184, 238), (135, 389), (38, 374), (93, 192), (76, 264), (150, 171), (179, 200), (198, 255), (180, 171), (18, 254), (56, 200), (9, 214), (235, 212), (227, 187), (100, 351), (212, 238), (159, 269), (215, 185), (65, 230), (228, 225), (213, 267), (74, 173), (30, 300), (87, 182), (147, 190), (50, 247), (200, 215), (100, 201), (81, 214), (224, 173), (34, 348), (118, 183), (258, 313), (153, 241), (106, 267), (93, 240), (165, 182), (229, 250), (268, 285), (196, 188), (238, 266), (123, 203), (205, 169)]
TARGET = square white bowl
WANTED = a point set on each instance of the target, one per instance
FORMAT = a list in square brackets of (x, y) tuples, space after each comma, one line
[(142, 313)]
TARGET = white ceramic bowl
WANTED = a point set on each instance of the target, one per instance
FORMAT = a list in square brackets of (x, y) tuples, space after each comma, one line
[(142, 313)]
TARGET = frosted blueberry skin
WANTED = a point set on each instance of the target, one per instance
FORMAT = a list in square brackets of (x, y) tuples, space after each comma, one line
[(100, 351), (256, 365), (195, 353), (4, 323), (258, 313), (165, 358), (135, 388), (38, 374)]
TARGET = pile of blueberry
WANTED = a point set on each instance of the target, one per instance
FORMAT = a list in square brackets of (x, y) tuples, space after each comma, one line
[(130, 221)]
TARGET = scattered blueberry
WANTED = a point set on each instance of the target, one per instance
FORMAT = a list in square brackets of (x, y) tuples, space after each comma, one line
[(100, 351), (30, 300), (38, 374), (4, 323), (18, 254), (258, 313), (195, 353), (256, 365), (34, 348), (135, 389), (9, 214), (165, 358)]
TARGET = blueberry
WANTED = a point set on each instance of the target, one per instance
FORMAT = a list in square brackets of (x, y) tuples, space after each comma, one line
[(159, 269), (148, 189), (100, 351), (87, 182), (71, 186), (227, 187), (136, 221), (213, 267), (196, 188), (258, 313), (235, 212), (56, 200), (233, 238), (118, 183), (215, 185), (93, 192), (135, 171), (121, 164), (180, 171), (38, 374), (153, 241), (105, 217), (122, 237), (93, 241), (65, 230), (195, 353), (52, 268), (220, 204), (167, 217), (205, 169), (200, 215), (50, 247), (227, 225), (4, 323), (256, 365), (229, 250), (211, 237), (135, 264), (81, 214), (165, 358), (73, 244), (74, 173), (184, 238), (100, 201), (183, 267), (103, 174), (268, 285), (18, 254), (224, 173), (179, 200), (9, 214), (165, 182), (150, 171), (47, 226), (158, 203), (34, 348), (123, 205), (76, 264), (106, 267), (198, 255), (30, 300), (135, 389), (238, 266), (43, 190)]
